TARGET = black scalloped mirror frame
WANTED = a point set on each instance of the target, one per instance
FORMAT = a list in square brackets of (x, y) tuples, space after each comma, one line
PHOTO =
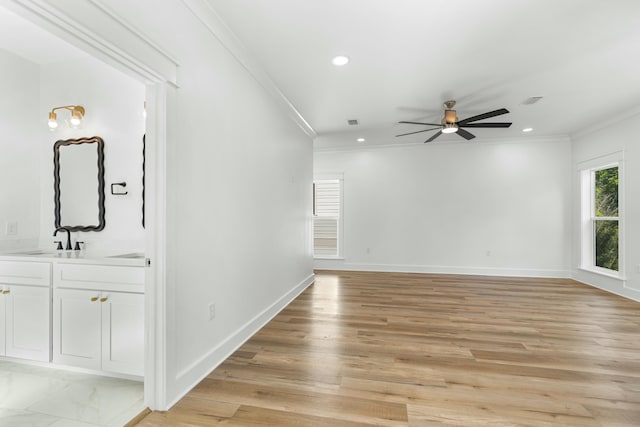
[(56, 182)]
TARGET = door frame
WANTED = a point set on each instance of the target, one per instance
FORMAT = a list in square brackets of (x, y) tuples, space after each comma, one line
[(120, 45)]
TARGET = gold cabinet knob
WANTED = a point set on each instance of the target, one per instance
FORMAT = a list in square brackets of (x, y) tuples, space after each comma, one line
[(94, 299), (6, 291), (103, 299)]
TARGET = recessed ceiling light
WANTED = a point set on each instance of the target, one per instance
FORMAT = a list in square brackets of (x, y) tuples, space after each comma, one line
[(340, 60), (527, 129), (360, 140)]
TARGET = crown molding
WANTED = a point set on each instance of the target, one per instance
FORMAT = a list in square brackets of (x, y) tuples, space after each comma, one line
[(203, 10), (112, 38), (606, 123), (485, 141), (133, 30)]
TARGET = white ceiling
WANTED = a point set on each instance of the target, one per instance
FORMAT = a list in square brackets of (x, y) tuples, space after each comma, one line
[(408, 56)]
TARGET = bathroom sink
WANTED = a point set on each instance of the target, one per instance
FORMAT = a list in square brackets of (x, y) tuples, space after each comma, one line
[(131, 255)]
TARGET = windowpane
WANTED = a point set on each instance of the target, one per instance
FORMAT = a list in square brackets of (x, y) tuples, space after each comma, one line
[(606, 244), (606, 188)]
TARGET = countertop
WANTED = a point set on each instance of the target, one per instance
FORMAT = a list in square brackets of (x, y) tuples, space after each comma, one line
[(122, 258)]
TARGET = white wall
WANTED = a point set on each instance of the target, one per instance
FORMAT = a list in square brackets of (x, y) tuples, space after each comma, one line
[(449, 207), (19, 172), (114, 105), (239, 174), (240, 186), (620, 136)]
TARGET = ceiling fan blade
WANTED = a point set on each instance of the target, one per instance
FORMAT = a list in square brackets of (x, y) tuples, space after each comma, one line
[(485, 125), (466, 135), (433, 137), (420, 123), (425, 130), (484, 116)]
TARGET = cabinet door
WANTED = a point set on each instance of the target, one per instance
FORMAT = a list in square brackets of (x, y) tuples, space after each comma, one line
[(123, 333), (76, 328), (27, 322)]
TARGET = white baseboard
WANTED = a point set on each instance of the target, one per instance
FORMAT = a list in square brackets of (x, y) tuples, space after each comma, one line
[(437, 269), (189, 377), (614, 286)]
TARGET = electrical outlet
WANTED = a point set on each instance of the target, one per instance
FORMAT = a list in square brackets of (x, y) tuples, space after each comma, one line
[(12, 228), (212, 311)]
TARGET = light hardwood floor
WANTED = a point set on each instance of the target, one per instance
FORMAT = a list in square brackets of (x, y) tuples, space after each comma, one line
[(394, 349)]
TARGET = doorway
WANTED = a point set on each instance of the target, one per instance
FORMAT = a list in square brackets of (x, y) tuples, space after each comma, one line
[(77, 68)]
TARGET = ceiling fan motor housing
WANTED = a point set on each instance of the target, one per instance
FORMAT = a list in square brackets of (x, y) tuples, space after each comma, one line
[(449, 117)]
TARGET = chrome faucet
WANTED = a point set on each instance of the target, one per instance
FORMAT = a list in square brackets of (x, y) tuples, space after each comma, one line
[(68, 246)]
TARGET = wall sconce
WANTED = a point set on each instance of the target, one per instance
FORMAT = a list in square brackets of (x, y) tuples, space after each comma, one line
[(77, 114)]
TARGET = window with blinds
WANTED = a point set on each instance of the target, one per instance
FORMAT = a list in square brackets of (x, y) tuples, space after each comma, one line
[(326, 217)]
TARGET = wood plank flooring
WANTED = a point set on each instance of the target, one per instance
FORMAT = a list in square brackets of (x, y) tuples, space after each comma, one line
[(389, 349)]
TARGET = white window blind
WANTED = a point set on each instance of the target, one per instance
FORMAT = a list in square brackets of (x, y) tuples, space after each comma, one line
[(326, 219)]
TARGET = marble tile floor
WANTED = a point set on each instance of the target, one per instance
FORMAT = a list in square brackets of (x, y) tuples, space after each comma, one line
[(35, 396)]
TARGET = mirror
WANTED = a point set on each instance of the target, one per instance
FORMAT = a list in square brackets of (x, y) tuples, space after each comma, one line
[(79, 184)]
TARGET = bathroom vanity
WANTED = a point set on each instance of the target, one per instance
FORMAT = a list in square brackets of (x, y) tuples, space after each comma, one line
[(72, 309)]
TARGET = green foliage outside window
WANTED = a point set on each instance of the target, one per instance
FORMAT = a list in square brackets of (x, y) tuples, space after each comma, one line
[(606, 230)]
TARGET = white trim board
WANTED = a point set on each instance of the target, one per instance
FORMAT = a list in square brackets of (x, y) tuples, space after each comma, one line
[(114, 40), (438, 269), (613, 285), (406, 145), (156, 228)]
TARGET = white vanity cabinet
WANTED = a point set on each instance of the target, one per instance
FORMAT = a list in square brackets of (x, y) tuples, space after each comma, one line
[(98, 317), (25, 301)]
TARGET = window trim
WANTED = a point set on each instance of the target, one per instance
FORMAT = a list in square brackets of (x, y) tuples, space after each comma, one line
[(587, 171)]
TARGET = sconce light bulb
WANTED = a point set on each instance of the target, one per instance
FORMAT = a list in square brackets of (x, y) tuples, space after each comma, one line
[(76, 117), (77, 113), (53, 120)]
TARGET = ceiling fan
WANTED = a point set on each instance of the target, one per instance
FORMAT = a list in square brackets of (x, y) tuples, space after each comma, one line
[(451, 124)]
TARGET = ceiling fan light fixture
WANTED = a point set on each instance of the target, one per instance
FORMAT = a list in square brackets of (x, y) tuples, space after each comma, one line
[(450, 128)]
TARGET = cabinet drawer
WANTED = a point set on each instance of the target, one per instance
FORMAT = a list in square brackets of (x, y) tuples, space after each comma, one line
[(25, 273), (98, 277)]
